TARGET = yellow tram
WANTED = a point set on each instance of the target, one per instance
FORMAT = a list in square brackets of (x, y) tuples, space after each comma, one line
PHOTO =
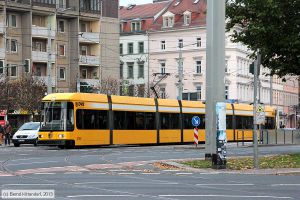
[(82, 119)]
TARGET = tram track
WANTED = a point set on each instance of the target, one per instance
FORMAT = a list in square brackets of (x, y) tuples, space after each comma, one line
[(4, 168)]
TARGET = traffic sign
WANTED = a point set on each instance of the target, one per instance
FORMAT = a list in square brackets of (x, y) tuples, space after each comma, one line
[(260, 114), (196, 121)]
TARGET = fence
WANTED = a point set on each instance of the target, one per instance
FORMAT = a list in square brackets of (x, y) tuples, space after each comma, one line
[(279, 136)]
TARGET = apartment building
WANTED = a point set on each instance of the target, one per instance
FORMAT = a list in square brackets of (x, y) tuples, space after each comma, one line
[(135, 21), (63, 42)]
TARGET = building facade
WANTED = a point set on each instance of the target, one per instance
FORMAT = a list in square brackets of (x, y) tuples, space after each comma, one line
[(63, 42), (178, 32), (135, 22)]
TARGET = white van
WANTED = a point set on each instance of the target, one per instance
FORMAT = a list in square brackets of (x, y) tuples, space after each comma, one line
[(27, 134)]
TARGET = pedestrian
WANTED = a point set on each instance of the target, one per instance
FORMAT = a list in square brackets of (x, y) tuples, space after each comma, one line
[(1, 134), (8, 133)]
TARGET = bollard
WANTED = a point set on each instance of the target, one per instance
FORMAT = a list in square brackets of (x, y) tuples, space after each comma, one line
[(243, 138), (237, 140), (276, 137), (292, 137), (267, 137), (284, 137)]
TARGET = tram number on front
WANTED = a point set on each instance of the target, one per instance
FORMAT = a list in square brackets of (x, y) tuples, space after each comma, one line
[(79, 104)]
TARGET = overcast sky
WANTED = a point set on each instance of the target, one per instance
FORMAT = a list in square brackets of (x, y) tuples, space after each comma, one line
[(126, 2)]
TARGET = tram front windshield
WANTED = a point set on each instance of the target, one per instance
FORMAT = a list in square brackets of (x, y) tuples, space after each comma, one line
[(58, 116)]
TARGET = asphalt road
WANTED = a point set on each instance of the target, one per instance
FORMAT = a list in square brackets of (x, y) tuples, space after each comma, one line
[(128, 173)]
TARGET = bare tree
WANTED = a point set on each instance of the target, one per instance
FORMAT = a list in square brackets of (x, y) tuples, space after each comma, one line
[(28, 92)]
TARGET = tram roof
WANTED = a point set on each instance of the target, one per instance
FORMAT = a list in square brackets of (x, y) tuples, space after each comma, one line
[(76, 97)]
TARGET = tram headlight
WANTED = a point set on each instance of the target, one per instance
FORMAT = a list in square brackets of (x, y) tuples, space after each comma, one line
[(61, 135), (40, 136)]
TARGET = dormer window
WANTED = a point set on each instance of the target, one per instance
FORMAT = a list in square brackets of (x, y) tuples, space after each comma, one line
[(168, 19), (135, 26), (187, 17)]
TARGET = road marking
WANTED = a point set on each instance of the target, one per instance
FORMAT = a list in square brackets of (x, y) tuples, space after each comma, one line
[(150, 173), (103, 195), (229, 196), (171, 170), (95, 173), (291, 184), (227, 184), (129, 173), (118, 182), (44, 173), (73, 173), (32, 163), (184, 173)]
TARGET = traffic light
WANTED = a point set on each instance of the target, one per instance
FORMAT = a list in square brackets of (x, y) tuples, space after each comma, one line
[(251, 69), (27, 66)]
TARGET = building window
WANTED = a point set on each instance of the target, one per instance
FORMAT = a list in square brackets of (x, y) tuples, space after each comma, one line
[(162, 93), (141, 47), (135, 26), (38, 71), (198, 66), (121, 49), (62, 4), (83, 50), (226, 91), (226, 66), (121, 70), (163, 45), (168, 21), (62, 51), (39, 46), (141, 70), (61, 26), (130, 70), (11, 20), (198, 42), (14, 46), (1, 66), (13, 71), (187, 18), (163, 68), (83, 27), (198, 90), (62, 73), (130, 48), (7, 45), (180, 43), (84, 73)]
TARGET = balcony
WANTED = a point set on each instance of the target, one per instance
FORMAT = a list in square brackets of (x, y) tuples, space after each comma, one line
[(43, 3), (89, 60), (38, 31), (39, 56), (89, 37), (45, 80), (19, 2)]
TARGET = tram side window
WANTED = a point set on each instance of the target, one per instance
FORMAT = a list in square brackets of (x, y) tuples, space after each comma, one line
[(91, 119), (244, 122), (270, 123), (119, 120), (229, 124), (134, 120), (169, 121), (150, 121)]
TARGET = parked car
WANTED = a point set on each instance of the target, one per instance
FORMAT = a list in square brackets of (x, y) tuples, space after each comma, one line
[(27, 134)]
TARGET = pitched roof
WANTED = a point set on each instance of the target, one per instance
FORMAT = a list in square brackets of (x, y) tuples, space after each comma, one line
[(142, 11), (197, 8)]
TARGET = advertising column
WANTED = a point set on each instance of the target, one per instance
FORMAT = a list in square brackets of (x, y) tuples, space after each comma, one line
[(220, 161)]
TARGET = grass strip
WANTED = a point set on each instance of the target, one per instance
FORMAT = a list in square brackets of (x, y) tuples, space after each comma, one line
[(265, 162)]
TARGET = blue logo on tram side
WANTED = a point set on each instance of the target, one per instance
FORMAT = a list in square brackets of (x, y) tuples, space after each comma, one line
[(196, 121)]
